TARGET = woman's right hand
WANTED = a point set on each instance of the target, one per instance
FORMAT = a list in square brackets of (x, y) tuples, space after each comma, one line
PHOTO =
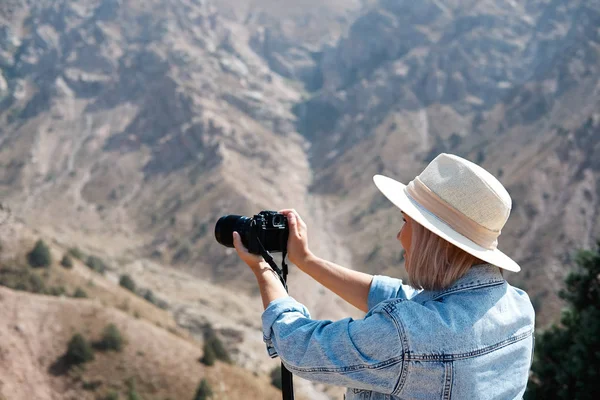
[(297, 246)]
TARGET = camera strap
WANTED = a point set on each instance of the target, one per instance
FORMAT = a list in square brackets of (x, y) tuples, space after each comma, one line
[(287, 385), (281, 272)]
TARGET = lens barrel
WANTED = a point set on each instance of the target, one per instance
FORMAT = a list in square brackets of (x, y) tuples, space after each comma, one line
[(228, 224)]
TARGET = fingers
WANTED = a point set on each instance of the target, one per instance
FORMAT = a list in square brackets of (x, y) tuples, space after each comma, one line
[(237, 243), (289, 211), (292, 223)]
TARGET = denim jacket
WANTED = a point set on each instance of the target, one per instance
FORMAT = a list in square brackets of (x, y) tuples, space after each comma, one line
[(473, 340)]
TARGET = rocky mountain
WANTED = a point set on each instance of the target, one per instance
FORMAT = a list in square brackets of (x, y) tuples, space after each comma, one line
[(127, 128), (513, 86)]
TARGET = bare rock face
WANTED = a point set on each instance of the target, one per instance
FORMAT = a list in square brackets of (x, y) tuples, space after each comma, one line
[(128, 128), (110, 97), (411, 55)]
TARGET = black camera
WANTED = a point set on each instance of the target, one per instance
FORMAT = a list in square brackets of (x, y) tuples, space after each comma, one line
[(268, 228)]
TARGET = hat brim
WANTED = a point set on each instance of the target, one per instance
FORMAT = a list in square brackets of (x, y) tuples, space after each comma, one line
[(394, 191)]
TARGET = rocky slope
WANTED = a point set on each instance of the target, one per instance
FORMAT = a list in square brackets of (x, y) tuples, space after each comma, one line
[(128, 128), (162, 364), (163, 345), (140, 126)]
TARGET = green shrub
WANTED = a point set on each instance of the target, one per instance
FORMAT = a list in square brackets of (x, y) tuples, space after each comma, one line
[(35, 284), (66, 261), (212, 341), (96, 264), (276, 377), (91, 385), (149, 296), (566, 358), (79, 351), (22, 279), (57, 291), (111, 339), (204, 391), (40, 255), (75, 252), (220, 352), (127, 282), (80, 293), (209, 355), (112, 396), (132, 393)]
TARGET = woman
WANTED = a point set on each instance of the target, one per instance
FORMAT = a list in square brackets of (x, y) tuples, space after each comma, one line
[(458, 330)]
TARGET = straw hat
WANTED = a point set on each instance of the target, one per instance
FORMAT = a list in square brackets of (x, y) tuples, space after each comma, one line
[(458, 201)]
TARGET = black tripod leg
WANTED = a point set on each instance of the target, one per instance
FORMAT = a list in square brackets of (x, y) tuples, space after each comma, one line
[(286, 383)]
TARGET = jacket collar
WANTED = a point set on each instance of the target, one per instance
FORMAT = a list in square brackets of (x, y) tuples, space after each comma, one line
[(480, 275)]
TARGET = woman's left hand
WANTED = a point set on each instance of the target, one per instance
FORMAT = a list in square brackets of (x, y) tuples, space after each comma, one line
[(255, 262)]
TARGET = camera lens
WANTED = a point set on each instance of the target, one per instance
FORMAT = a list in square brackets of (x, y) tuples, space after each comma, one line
[(228, 224)]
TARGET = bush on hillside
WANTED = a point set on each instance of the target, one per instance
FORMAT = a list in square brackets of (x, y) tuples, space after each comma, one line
[(111, 339), (66, 261), (276, 377), (96, 264), (91, 385), (209, 355), (79, 351), (35, 284), (80, 293), (22, 279), (111, 396), (212, 340), (149, 296), (57, 291), (40, 255), (132, 393), (204, 391), (220, 352), (127, 282), (75, 252)]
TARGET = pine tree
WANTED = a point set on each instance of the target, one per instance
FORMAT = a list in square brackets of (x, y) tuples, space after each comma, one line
[(204, 391), (40, 255), (567, 356)]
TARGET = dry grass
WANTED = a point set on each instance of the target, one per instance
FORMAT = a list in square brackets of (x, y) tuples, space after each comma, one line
[(162, 364), (161, 358)]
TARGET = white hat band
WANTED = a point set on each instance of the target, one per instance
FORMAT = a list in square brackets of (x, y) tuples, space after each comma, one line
[(458, 221)]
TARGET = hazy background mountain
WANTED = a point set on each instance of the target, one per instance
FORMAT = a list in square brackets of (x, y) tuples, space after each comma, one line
[(127, 128)]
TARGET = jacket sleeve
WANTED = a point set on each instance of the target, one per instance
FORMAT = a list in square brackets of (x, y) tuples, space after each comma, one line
[(385, 288), (362, 354)]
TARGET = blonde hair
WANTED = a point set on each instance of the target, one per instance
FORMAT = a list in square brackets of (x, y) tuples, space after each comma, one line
[(434, 263)]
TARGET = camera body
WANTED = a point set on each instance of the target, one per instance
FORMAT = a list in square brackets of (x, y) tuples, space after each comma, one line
[(268, 228)]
